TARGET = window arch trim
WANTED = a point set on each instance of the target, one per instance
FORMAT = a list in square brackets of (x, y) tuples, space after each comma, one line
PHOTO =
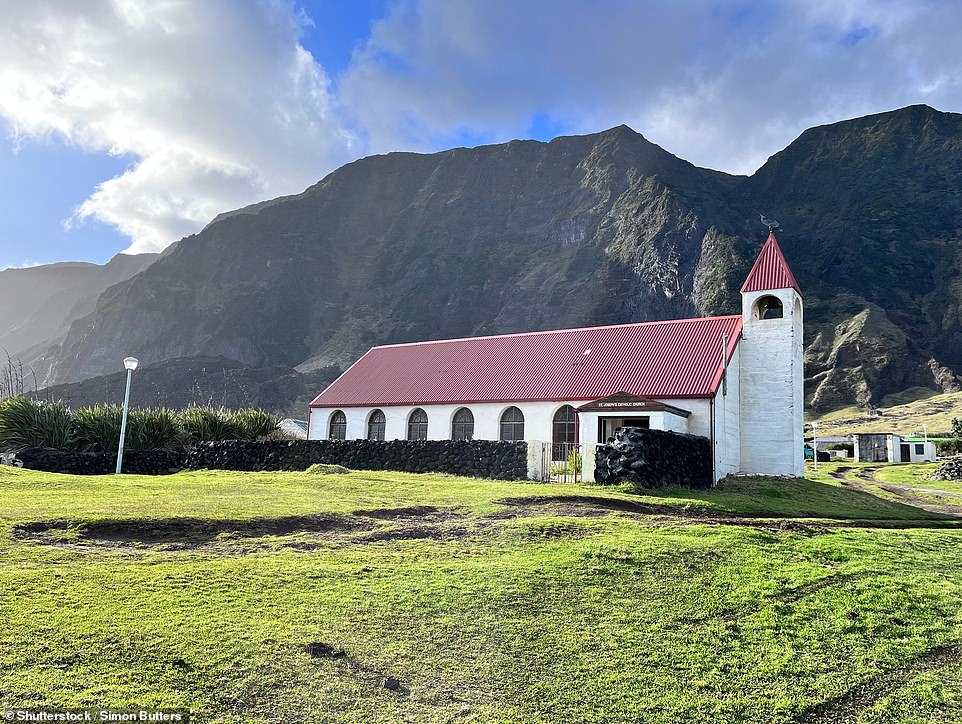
[(768, 306), (462, 424), (511, 429), (376, 425), (337, 426), (417, 424)]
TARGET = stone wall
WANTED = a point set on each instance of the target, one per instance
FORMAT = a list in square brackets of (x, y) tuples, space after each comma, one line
[(654, 459), (474, 458), (140, 462)]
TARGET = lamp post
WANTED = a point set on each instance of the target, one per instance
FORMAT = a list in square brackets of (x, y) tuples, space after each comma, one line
[(925, 433), (130, 363)]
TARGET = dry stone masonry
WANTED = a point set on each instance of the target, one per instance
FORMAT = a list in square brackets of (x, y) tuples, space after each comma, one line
[(474, 458), (139, 462), (654, 458), (951, 469)]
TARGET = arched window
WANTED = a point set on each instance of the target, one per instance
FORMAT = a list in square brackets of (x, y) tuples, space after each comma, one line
[(512, 424), (338, 429), (564, 433), (768, 307), (418, 425), (375, 426), (462, 426)]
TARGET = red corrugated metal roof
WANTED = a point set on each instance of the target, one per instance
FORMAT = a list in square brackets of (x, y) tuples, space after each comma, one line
[(770, 271), (680, 358)]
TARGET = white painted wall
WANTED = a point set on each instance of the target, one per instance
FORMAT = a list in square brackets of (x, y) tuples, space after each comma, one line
[(538, 417), (894, 443), (771, 387), (657, 420), (928, 454), (728, 421)]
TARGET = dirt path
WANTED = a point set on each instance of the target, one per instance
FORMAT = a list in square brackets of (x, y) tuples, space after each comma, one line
[(929, 491), (906, 494)]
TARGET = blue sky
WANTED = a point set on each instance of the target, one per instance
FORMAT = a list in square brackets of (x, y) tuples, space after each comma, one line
[(128, 125)]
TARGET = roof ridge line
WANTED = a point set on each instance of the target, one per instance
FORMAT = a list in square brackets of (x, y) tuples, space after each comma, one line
[(556, 331)]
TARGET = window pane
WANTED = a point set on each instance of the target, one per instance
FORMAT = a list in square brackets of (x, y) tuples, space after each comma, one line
[(512, 424), (338, 426), (462, 427), (418, 425), (376, 425), (564, 433)]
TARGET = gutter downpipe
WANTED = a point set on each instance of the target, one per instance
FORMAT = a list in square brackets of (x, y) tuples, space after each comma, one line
[(711, 417)]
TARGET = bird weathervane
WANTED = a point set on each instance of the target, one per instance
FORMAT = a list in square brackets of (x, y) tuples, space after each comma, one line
[(770, 223)]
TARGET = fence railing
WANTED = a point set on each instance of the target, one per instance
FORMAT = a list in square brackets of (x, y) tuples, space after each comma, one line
[(561, 462)]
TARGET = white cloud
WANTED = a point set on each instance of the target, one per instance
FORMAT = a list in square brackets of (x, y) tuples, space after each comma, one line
[(216, 100), (721, 84), (220, 105)]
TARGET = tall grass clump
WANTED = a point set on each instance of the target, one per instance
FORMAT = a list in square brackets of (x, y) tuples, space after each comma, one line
[(32, 423), (155, 429), (255, 424), (201, 424), (28, 423), (97, 428)]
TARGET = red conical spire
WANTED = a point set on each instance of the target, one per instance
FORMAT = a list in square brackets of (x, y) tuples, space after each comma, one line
[(770, 271)]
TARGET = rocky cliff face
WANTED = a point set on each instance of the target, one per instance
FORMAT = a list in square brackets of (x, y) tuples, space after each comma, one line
[(585, 230), (38, 304)]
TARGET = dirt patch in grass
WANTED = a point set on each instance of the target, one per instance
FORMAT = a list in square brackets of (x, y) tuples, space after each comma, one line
[(416, 532), (418, 522), (847, 706), (180, 532), (657, 514), (588, 506), (414, 511), (346, 663)]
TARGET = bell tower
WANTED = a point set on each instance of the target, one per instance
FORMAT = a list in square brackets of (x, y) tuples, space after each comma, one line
[(771, 373)]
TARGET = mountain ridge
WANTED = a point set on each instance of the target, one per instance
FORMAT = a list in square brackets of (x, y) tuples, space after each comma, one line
[(582, 230), (40, 302)]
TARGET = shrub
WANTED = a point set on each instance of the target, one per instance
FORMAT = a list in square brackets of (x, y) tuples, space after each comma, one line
[(957, 427), (31, 423), (846, 446), (571, 466), (949, 446)]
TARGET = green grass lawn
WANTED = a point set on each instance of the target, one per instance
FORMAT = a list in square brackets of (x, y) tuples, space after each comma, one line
[(761, 601)]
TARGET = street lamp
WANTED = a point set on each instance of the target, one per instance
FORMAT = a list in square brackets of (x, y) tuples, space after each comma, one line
[(130, 363)]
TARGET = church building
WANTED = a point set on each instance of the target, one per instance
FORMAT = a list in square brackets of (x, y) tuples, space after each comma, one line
[(736, 380)]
